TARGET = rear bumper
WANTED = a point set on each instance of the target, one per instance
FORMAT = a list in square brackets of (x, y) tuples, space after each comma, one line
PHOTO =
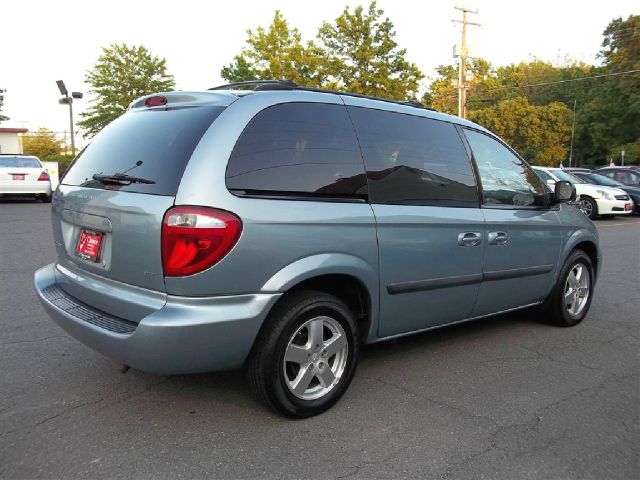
[(186, 335), (16, 188)]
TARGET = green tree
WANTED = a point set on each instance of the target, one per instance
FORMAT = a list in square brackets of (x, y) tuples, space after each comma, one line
[(364, 56), (277, 52), (539, 133), (619, 104), (357, 53), (121, 75), (2, 117), (443, 90), (41, 143)]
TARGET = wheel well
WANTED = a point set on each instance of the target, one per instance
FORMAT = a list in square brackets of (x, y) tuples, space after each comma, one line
[(348, 289), (590, 249)]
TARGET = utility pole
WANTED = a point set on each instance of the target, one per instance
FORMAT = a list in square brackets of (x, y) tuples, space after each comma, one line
[(462, 71)]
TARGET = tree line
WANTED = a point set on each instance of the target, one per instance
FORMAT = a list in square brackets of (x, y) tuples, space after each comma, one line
[(530, 104)]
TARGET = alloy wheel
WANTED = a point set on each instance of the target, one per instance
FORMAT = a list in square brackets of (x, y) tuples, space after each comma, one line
[(315, 358), (576, 289)]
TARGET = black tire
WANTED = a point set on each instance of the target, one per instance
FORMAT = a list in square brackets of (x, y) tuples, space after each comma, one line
[(46, 198), (266, 365), (554, 309), (589, 206)]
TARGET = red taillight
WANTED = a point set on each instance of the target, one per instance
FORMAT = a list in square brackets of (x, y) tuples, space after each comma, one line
[(195, 238), (156, 101), (44, 177)]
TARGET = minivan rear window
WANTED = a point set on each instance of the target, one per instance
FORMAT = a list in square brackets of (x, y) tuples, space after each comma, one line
[(154, 144), (20, 162)]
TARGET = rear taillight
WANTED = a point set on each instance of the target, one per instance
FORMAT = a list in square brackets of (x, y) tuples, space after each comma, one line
[(195, 238), (44, 177)]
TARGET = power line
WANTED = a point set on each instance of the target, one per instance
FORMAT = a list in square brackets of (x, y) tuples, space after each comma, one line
[(541, 84)]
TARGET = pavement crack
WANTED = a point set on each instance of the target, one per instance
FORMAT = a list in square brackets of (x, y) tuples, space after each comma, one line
[(439, 403), (570, 363), (117, 401), (31, 341)]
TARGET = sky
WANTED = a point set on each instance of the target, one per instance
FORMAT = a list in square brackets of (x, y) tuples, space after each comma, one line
[(44, 41)]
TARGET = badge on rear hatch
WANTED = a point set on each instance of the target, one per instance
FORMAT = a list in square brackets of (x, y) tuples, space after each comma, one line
[(89, 245)]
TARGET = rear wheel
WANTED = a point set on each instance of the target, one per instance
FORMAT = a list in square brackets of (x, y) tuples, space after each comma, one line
[(46, 198), (306, 355), (571, 298)]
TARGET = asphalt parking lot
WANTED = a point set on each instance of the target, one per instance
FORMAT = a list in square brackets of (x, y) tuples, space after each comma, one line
[(504, 398)]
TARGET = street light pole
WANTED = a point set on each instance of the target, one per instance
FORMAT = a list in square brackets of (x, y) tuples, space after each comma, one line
[(73, 140), (66, 99), (573, 129)]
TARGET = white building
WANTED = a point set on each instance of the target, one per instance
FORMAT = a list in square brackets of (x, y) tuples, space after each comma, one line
[(10, 139)]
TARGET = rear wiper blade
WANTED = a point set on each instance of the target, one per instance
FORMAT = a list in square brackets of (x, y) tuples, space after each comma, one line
[(121, 178)]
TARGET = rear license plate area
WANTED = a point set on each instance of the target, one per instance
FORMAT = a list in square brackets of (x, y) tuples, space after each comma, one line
[(89, 245), (18, 176)]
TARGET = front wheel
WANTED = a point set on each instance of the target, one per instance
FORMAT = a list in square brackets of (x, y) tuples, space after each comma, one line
[(306, 355), (571, 298), (589, 207)]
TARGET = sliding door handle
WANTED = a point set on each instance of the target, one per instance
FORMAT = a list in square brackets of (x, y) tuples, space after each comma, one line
[(469, 239), (498, 238)]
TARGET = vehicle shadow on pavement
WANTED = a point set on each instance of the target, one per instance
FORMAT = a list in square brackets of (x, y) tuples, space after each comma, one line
[(231, 388)]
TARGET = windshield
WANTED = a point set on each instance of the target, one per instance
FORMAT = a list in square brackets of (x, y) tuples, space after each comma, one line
[(152, 144), (601, 180), (566, 176), (20, 162)]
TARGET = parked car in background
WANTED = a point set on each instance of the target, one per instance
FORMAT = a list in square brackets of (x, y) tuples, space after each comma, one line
[(577, 169), (624, 175), (282, 228), (24, 175), (594, 200), (597, 179)]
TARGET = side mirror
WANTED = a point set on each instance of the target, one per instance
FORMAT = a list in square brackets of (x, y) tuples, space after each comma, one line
[(564, 191)]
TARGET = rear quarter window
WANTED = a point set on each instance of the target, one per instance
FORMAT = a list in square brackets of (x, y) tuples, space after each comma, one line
[(162, 139)]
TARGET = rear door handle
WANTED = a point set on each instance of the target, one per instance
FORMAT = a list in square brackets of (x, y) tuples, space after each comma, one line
[(469, 239), (498, 238)]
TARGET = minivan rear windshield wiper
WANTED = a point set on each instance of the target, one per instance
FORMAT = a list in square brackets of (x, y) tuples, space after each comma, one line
[(121, 178)]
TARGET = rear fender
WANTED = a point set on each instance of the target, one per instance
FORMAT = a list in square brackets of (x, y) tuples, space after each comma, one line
[(329, 264)]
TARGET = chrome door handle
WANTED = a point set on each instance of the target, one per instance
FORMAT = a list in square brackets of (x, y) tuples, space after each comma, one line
[(469, 239), (498, 238)]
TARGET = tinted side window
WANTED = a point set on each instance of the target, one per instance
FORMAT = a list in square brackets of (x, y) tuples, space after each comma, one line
[(413, 160), (506, 180), (307, 148)]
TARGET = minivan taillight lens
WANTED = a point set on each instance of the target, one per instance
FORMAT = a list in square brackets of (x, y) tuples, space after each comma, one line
[(44, 177), (195, 238)]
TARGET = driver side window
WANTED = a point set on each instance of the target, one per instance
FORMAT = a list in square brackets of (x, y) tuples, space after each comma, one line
[(506, 179)]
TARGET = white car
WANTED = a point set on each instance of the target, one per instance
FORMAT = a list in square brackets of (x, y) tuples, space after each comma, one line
[(594, 200), (24, 175)]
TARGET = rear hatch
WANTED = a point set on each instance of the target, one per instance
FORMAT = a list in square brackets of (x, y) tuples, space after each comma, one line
[(107, 226)]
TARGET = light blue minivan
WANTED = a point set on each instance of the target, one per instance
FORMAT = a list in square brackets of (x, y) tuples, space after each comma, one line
[(278, 228)]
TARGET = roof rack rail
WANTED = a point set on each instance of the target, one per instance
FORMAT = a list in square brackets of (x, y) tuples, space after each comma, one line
[(288, 84), (261, 85)]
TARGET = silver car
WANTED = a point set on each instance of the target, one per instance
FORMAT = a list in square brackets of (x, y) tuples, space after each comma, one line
[(281, 228)]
